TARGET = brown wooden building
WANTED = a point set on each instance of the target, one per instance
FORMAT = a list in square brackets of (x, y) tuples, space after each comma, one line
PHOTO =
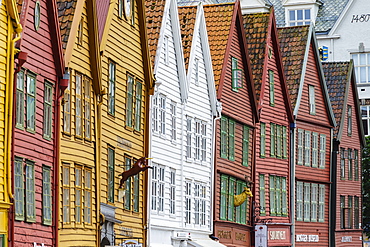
[(347, 145), (314, 121), (272, 172), (235, 131)]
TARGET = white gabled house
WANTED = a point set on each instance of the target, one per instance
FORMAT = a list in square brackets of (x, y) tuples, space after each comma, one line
[(183, 109)]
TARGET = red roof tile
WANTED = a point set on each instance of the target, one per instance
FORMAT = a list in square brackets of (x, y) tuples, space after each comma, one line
[(66, 11), (187, 17)]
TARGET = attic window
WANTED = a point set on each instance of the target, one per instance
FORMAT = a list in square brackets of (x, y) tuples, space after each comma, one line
[(311, 93), (80, 31), (165, 50), (237, 81), (37, 14), (349, 120), (299, 17)]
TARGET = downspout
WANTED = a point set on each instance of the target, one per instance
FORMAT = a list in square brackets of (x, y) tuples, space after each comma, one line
[(293, 133), (213, 165), (10, 123), (333, 190), (254, 176), (148, 187), (97, 106), (182, 162)]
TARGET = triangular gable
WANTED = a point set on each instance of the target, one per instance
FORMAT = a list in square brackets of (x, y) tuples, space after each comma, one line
[(157, 14), (70, 14), (103, 7), (260, 32), (193, 25), (340, 77)]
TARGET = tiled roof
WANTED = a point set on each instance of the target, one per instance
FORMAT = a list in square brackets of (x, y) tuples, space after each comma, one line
[(102, 13), (66, 11), (218, 21), (279, 12), (187, 17), (328, 14), (256, 29), (154, 16), (293, 41), (336, 74)]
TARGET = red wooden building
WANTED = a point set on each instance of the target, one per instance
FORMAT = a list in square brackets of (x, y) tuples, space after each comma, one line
[(272, 172), (235, 131), (35, 135), (314, 121), (347, 145)]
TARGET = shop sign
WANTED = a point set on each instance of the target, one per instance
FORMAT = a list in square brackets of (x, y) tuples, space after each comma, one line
[(346, 239), (260, 235), (127, 232), (307, 238), (131, 243), (277, 235)]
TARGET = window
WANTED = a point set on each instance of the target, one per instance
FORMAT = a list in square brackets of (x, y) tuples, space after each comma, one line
[(285, 143), (342, 207), (80, 31), (272, 90), (299, 17), (87, 114), (19, 189), (231, 138), (158, 184), (231, 186), (357, 213), (245, 160), (78, 105), (20, 100), (173, 120), (66, 194), (224, 137), (322, 151), (31, 102), (349, 120), (312, 103), (78, 194), (262, 195), (236, 75), (196, 71), (112, 88), (165, 49), (272, 196), (307, 148), (111, 168), (278, 203), (129, 100), (299, 201), (350, 164), (200, 204), (365, 115), (188, 137), (120, 8), (263, 140), (321, 202), (127, 198), (172, 191), (204, 141), (314, 202), (138, 93), (48, 101), (188, 202), (342, 163), (30, 192), (279, 140), (350, 212), (300, 147), (136, 195), (272, 139), (37, 16), (67, 111), (356, 165), (315, 143), (200, 140), (88, 198), (362, 66), (284, 198), (162, 115)]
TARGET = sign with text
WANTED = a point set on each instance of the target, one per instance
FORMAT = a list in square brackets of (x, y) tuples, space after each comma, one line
[(260, 236), (307, 238)]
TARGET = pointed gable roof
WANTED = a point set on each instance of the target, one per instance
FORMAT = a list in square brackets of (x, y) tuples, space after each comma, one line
[(219, 21), (103, 7), (339, 78), (66, 12), (256, 29), (154, 18), (293, 41), (187, 17)]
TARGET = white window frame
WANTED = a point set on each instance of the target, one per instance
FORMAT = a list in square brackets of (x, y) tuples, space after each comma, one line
[(31, 101), (166, 50), (162, 115), (322, 151), (172, 191), (307, 202), (312, 99), (173, 121), (111, 87), (46, 196), (361, 63), (78, 104), (20, 99), (299, 201), (30, 191), (19, 190), (188, 202), (307, 148), (314, 202), (66, 194), (189, 138), (196, 71), (300, 145), (295, 22), (315, 154), (321, 203)]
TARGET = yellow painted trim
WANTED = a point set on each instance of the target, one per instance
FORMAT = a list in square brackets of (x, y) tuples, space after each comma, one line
[(73, 33), (108, 21), (13, 12)]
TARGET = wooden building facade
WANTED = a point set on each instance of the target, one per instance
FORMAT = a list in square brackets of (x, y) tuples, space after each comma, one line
[(272, 164), (127, 80), (346, 159), (10, 30), (34, 147), (79, 147), (235, 131), (312, 135)]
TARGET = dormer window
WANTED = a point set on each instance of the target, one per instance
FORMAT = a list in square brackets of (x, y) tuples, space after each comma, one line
[(311, 93), (236, 74), (299, 17), (349, 120)]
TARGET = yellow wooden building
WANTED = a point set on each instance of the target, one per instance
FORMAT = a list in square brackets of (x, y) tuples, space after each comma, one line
[(10, 30), (128, 82), (79, 149)]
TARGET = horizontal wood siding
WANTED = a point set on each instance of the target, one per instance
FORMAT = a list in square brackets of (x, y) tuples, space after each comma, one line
[(33, 146), (124, 49), (78, 151)]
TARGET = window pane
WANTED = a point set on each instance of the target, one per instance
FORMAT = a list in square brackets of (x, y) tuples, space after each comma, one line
[(299, 14), (307, 14), (292, 15)]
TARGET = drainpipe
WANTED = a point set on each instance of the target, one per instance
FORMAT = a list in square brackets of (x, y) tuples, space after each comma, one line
[(213, 164), (293, 133), (98, 149), (333, 190), (182, 162), (9, 115)]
